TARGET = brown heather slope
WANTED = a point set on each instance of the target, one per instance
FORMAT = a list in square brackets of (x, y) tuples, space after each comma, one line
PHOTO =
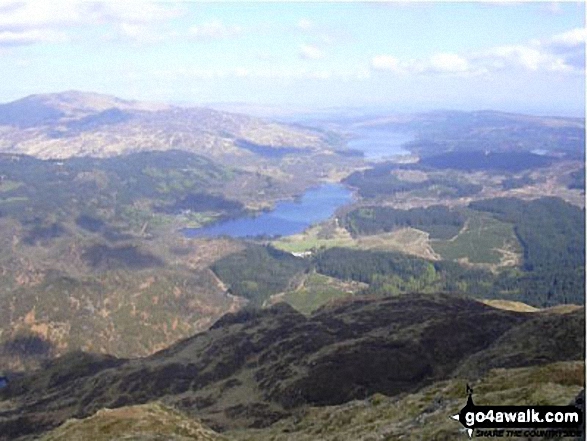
[(253, 368)]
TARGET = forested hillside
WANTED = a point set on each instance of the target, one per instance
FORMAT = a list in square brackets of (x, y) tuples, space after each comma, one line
[(438, 220)]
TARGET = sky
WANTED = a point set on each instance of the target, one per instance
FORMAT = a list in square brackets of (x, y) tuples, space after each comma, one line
[(512, 56)]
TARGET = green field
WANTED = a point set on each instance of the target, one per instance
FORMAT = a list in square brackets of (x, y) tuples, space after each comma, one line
[(7, 185), (329, 235), (483, 240), (316, 291), (326, 235)]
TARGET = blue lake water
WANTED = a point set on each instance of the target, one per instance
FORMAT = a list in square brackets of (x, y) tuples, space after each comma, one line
[(317, 204), (289, 217), (378, 144)]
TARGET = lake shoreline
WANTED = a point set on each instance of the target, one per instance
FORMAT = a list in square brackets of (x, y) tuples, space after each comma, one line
[(288, 217)]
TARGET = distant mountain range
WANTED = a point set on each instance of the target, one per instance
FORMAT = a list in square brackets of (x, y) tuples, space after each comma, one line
[(440, 131), (75, 123)]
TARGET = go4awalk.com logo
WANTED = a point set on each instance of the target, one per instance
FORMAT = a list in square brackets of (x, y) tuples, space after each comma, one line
[(522, 421)]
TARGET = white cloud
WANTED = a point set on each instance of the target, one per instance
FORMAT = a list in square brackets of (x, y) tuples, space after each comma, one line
[(310, 52), (362, 74), (132, 11), (563, 52), (241, 72), (134, 20), (42, 13), (450, 63), (574, 37), (214, 29), (321, 75), (39, 21), (17, 38), (320, 35), (385, 62), (140, 33), (441, 63), (21, 15), (514, 56), (305, 24), (553, 8), (265, 56)]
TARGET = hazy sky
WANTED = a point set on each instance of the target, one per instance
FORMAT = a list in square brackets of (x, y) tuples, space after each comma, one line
[(510, 56)]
